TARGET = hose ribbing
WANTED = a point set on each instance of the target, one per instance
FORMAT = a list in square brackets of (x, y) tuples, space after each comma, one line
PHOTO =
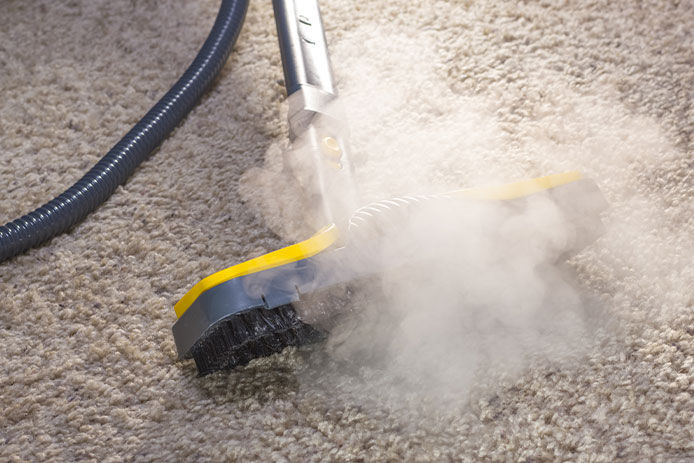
[(118, 164)]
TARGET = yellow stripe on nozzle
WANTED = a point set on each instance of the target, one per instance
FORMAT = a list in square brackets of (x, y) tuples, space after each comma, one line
[(302, 250), (328, 235), (517, 189)]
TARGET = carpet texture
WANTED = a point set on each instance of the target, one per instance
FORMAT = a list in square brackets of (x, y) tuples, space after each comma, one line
[(512, 90)]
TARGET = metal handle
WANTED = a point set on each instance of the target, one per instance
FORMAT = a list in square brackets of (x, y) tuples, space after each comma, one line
[(317, 129), (303, 46)]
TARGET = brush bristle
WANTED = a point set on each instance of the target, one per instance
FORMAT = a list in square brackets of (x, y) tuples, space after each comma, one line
[(259, 332)]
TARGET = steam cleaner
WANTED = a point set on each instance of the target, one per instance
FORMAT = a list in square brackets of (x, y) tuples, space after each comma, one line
[(249, 310)]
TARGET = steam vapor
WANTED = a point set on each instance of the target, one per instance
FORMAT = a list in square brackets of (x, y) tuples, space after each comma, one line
[(471, 289)]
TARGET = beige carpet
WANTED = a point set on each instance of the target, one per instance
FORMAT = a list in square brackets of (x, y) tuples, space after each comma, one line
[(500, 90)]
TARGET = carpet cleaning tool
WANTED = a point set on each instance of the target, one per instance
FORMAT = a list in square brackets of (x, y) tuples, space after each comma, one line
[(249, 310)]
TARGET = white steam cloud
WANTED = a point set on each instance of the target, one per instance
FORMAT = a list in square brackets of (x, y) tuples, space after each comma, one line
[(473, 289)]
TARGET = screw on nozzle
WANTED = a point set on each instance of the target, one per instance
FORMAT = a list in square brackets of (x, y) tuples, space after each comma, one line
[(331, 150)]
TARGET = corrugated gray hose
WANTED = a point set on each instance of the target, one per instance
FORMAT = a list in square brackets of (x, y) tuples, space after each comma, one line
[(118, 164)]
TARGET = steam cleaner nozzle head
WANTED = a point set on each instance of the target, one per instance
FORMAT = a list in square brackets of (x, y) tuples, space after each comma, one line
[(249, 310)]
